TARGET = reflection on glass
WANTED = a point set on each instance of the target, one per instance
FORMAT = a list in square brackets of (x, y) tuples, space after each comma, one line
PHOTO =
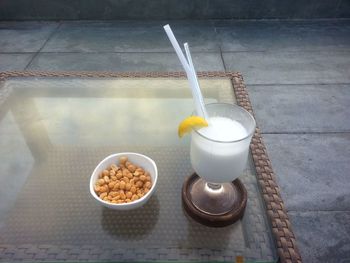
[(55, 131), (110, 121), (15, 166)]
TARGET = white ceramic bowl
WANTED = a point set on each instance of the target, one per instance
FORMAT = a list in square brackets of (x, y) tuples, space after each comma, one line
[(138, 159)]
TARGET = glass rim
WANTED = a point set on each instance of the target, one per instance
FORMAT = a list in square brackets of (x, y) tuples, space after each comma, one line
[(250, 133)]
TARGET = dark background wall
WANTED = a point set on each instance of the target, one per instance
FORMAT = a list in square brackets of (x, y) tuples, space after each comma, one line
[(171, 9)]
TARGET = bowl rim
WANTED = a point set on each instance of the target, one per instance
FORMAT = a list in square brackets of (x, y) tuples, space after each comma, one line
[(138, 201)]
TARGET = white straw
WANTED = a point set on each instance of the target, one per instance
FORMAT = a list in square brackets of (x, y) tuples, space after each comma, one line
[(177, 48), (198, 89), (191, 77)]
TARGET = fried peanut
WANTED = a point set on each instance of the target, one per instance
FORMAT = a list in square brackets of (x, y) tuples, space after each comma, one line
[(143, 178), (125, 179), (103, 188), (123, 159), (147, 185), (119, 175), (111, 184), (113, 193), (116, 186), (140, 171), (139, 184), (123, 183), (122, 196), (128, 195), (101, 181), (125, 172), (97, 188), (133, 189), (103, 195), (131, 168), (106, 178), (114, 167), (114, 178)]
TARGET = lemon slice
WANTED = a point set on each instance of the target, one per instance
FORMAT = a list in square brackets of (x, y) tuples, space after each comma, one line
[(190, 123)]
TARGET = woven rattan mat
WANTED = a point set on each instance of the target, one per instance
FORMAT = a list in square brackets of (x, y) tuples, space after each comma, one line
[(281, 228)]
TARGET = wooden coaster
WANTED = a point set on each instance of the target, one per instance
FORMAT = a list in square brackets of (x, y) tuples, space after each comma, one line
[(226, 219)]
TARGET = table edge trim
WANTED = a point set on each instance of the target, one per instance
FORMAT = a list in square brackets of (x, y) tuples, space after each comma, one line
[(281, 226)]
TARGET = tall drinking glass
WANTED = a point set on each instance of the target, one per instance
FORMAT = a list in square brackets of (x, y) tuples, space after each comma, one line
[(219, 155)]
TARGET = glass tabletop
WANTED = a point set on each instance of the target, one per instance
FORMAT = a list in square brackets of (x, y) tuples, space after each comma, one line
[(53, 133)]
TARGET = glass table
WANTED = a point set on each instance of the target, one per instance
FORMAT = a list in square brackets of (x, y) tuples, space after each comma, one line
[(54, 131)]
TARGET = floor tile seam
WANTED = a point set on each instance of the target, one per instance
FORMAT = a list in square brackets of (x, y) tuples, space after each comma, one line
[(293, 85), (189, 20), (214, 20), (39, 21), (248, 84), (122, 52), (281, 20), (150, 52), (160, 21), (223, 61), (284, 51), (307, 133), (41, 48), (318, 211), (31, 60), (17, 53), (220, 24)]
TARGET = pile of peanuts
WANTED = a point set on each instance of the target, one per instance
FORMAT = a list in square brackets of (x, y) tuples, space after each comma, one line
[(123, 183)]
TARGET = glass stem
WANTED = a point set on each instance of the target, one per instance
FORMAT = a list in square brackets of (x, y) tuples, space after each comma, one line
[(214, 186)]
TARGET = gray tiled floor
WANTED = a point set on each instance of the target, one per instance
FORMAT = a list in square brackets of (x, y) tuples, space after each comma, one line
[(312, 170), (298, 76), (319, 108), (318, 230), (24, 37), (286, 36), (15, 61), (301, 67), (126, 37), (123, 61)]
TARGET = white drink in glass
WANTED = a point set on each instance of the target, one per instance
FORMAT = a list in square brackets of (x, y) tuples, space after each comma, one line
[(219, 155), (219, 152)]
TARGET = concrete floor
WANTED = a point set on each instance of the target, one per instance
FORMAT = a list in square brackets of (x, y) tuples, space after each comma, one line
[(298, 77)]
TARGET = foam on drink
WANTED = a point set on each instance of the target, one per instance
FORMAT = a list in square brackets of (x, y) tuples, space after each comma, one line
[(222, 158), (224, 130)]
